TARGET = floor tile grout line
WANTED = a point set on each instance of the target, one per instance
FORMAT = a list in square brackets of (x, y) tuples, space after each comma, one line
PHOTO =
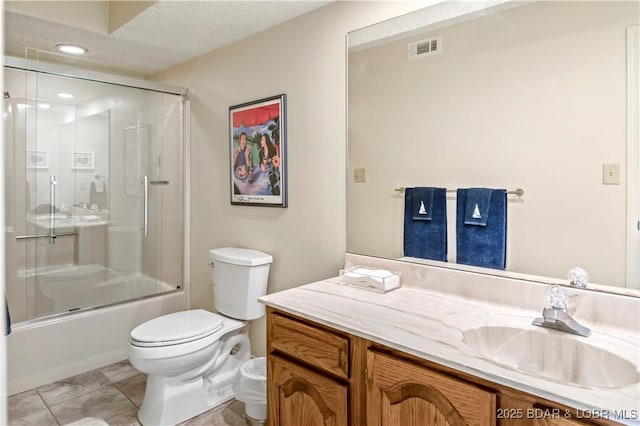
[(126, 396), (91, 391), (124, 411), (110, 382), (54, 416), (107, 383), (47, 406), (120, 414), (16, 419)]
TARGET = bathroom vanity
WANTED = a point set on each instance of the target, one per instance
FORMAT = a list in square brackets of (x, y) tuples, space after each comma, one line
[(341, 355)]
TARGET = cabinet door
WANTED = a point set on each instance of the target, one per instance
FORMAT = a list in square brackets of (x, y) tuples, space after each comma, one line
[(298, 396), (401, 393)]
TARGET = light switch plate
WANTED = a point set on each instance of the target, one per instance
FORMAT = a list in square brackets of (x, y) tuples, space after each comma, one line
[(611, 174), (359, 175)]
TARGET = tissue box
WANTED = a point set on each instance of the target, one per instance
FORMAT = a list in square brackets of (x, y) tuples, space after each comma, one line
[(379, 280)]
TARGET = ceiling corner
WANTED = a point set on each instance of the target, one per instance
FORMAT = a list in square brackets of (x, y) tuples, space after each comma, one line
[(88, 15), (121, 12)]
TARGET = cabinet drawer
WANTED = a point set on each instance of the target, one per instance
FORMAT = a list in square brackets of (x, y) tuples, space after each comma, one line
[(317, 347)]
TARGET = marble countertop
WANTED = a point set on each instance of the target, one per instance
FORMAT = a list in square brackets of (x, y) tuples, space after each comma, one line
[(419, 322)]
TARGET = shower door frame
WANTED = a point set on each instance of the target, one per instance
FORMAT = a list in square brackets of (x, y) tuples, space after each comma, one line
[(65, 71)]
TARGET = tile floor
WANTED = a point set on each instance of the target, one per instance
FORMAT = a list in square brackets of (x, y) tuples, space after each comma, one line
[(112, 393)]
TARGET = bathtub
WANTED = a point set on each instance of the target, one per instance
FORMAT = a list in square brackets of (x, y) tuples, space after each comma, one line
[(83, 335)]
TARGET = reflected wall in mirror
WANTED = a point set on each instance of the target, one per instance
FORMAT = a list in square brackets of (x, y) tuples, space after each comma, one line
[(61, 140), (536, 95)]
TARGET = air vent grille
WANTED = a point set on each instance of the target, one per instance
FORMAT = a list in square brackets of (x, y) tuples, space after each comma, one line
[(421, 48)]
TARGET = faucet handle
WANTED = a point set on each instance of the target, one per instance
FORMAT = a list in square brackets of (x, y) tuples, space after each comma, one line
[(578, 277), (557, 297)]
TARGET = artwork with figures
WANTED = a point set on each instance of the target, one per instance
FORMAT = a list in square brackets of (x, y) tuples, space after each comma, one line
[(257, 148)]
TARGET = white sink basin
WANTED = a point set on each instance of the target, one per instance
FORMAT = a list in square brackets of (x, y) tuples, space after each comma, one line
[(512, 342)]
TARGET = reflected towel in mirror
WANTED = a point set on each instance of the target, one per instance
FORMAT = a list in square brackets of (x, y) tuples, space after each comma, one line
[(426, 239), (484, 246), (476, 211), (96, 197), (422, 205)]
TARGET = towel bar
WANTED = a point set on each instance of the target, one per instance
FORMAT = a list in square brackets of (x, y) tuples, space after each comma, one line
[(28, 237), (519, 191)]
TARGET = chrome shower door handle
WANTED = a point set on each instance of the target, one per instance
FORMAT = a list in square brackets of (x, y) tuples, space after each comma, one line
[(145, 225), (52, 209)]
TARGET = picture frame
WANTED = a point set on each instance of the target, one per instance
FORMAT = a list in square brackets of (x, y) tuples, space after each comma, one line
[(258, 152), (37, 159), (82, 160)]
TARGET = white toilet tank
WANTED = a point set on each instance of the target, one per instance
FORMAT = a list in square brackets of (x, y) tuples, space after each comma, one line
[(239, 277)]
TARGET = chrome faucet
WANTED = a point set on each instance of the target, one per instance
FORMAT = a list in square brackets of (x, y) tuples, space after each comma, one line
[(555, 316)]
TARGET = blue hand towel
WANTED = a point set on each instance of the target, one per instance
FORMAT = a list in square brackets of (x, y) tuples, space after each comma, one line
[(426, 239), (484, 245), (477, 206), (422, 205)]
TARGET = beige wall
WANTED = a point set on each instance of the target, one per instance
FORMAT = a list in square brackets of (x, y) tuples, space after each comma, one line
[(507, 104), (304, 58)]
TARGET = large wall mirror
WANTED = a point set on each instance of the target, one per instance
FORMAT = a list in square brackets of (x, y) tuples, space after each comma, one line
[(539, 95)]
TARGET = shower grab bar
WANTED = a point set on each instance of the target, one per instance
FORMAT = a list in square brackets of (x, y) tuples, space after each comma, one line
[(27, 237), (146, 206), (52, 209)]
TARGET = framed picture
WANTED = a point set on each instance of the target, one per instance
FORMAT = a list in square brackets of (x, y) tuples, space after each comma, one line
[(258, 152), (37, 159), (82, 160)]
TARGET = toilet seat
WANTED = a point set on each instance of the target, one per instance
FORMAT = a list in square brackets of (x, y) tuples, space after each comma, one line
[(177, 328)]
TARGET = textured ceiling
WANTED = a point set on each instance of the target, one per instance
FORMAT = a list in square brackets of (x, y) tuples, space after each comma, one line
[(165, 34)]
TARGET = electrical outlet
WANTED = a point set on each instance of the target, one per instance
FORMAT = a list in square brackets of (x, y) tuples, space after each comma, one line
[(359, 176), (611, 174)]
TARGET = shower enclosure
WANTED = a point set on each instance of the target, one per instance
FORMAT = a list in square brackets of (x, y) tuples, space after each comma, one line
[(95, 190)]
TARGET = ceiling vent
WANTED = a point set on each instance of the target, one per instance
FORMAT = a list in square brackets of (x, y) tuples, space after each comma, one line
[(422, 48)]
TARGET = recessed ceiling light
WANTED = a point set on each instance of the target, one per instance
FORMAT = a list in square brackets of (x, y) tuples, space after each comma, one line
[(44, 106), (72, 49), (65, 95)]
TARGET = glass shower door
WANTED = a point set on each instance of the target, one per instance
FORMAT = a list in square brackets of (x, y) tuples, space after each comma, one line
[(91, 169)]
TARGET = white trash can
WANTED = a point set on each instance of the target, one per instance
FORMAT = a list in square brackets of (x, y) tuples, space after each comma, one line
[(250, 387)]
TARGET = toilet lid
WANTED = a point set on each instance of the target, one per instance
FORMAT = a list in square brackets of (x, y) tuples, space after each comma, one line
[(179, 326)]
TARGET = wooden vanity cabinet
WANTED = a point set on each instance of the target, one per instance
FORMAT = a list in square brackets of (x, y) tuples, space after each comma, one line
[(309, 380), (320, 376)]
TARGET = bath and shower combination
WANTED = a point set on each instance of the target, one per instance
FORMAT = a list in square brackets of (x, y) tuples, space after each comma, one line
[(94, 212)]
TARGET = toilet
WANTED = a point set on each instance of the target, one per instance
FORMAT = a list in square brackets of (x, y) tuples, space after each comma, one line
[(191, 358)]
